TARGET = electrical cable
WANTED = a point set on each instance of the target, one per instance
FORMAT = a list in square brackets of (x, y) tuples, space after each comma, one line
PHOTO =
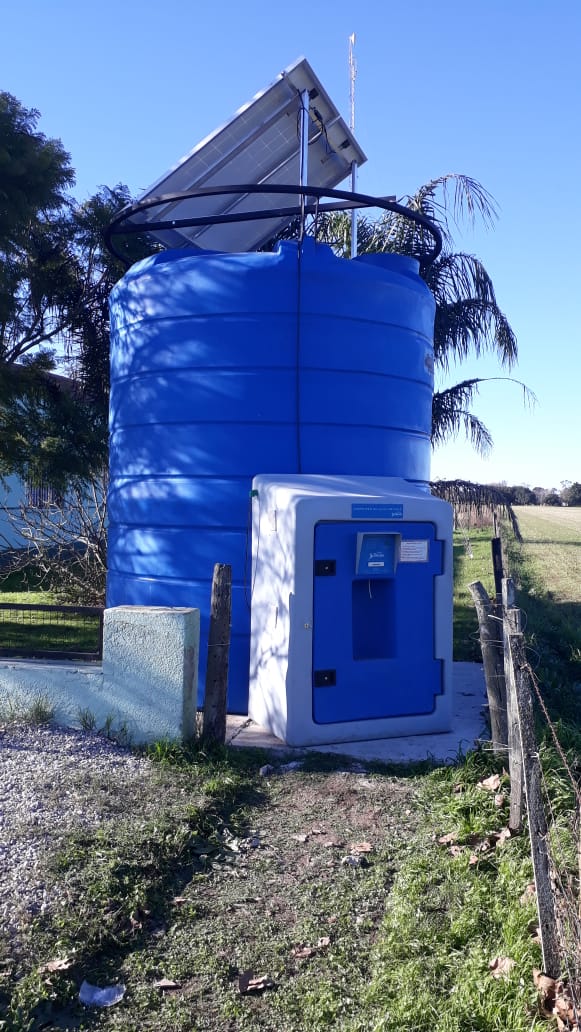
[(249, 559)]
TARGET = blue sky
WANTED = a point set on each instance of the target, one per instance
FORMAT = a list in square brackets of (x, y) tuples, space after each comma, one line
[(490, 89)]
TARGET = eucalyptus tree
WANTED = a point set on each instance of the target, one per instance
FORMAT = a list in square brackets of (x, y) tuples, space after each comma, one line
[(55, 280)]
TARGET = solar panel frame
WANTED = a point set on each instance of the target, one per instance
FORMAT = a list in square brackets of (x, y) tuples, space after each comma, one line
[(260, 145)]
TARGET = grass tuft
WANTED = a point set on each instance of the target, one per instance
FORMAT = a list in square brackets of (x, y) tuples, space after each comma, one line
[(16, 710)]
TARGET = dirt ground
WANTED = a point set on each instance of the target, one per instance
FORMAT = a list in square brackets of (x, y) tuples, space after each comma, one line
[(265, 921), (298, 899)]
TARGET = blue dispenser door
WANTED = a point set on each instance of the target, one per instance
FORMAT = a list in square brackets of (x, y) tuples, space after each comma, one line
[(373, 620)]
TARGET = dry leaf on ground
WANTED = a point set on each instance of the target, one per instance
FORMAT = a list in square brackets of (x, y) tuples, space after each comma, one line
[(248, 982), (362, 847), (58, 964), (564, 1011), (491, 784), (302, 952), (445, 840), (555, 1001), (548, 988), (502, 836), (501, 967), (166, 983), (482, 843)]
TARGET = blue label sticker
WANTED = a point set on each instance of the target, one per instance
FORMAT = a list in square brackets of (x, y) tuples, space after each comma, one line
[(376, 511)]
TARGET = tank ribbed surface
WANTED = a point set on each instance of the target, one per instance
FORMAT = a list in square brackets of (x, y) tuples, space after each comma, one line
[(224, 366)]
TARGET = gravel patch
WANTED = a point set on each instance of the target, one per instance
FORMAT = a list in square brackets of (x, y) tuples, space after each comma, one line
[(54, 781)]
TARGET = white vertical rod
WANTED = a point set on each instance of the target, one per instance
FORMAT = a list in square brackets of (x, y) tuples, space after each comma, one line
[(353, 211), (304, 152), (304, 139), (352, 75)]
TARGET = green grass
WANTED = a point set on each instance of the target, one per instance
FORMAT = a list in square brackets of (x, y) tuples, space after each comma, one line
[(553, 550), (25, 587), (447, 919), (32, 631), (546, 571), (472, 562), (411, 933)]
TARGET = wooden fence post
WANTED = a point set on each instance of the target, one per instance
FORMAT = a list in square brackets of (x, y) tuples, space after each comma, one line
[(536, 815), (496, 547), (214, 725), (492, 658), (579, 859), (511, 626)]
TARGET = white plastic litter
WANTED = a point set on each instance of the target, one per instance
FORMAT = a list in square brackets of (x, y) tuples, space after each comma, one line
[(284, 768), (92, 996)]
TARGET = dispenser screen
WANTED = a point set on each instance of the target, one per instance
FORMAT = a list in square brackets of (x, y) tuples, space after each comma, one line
[(377, 554)]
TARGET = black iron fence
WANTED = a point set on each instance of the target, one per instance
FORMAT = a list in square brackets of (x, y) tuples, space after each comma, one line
[(51, 632)]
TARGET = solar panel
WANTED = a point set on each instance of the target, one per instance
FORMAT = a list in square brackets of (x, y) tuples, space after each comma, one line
[(260, 145)]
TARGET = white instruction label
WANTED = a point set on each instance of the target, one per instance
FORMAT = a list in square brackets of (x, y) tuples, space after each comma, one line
[(412, 551)]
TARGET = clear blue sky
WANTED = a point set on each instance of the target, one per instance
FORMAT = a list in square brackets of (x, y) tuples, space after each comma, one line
[(490, 89)]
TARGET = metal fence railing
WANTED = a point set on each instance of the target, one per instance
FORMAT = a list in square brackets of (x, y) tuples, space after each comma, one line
[(51, 632)]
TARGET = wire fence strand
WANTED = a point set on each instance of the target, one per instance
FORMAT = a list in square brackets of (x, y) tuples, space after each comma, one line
[(562, 839)]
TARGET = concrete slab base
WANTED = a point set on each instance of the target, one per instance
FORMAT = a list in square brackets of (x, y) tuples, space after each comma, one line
[(72, 687), (468, 727)]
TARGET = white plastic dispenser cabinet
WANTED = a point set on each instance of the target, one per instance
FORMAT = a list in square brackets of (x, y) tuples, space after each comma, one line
[(351, 614)]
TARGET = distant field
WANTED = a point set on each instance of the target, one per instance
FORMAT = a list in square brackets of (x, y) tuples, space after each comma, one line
[(552, 541)]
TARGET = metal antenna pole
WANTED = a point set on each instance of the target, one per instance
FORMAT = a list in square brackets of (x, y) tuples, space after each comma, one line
[(352, 76)]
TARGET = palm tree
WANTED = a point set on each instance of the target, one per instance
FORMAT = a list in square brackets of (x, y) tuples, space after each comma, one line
[(468, 319)]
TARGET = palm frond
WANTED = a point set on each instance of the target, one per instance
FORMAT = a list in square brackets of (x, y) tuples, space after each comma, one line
[(455, 197), (476, 498), (472, 326), (450, 414), (457, 274)]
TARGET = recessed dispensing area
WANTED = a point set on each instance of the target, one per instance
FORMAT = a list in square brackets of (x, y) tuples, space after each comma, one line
[(373, 621)]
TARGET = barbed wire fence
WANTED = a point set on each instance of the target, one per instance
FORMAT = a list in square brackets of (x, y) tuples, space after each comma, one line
[(544, 777)]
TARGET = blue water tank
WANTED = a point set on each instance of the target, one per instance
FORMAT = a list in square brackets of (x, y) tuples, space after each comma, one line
[(224, 366)]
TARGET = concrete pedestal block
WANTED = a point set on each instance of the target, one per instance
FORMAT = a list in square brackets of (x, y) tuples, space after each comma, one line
[(150, 664)]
